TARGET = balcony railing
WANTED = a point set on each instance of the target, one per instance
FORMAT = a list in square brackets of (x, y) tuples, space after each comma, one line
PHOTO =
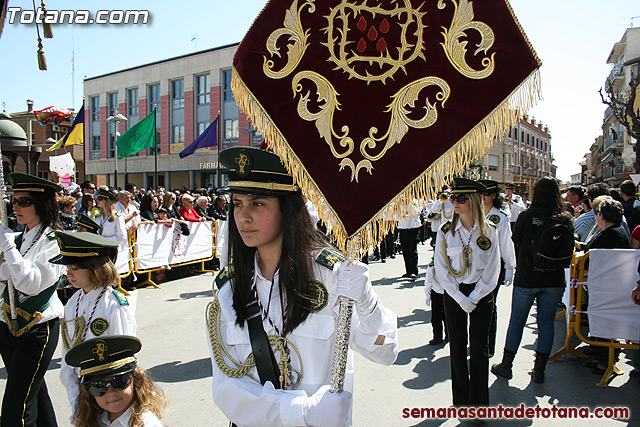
[(616, 73)]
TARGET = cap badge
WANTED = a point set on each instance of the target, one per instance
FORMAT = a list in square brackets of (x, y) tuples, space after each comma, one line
[(99, 350), (243, 162)]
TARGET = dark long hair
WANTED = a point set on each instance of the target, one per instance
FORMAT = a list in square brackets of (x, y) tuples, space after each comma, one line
[(47, 209), (498, 201), (547, 202), (299, 239)]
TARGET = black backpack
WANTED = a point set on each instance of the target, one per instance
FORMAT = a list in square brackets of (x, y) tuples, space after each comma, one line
[(552, 246)]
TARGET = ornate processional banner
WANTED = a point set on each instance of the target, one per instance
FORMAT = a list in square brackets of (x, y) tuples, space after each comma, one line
[(372, 104)]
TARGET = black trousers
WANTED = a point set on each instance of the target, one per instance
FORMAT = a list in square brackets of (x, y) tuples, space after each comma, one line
[(438, 321), (409, 245), (493, 329), (26, 358), (470, 383)]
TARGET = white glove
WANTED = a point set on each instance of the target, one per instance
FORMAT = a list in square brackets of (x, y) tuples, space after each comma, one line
[(326, 409), (508, 276), (427, 296), (7, 239), (353, 282), (467, 305)]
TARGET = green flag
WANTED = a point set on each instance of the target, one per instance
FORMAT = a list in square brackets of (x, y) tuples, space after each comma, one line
[(141, 135)]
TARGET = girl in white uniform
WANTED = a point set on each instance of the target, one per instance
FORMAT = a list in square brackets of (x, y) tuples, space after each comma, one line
[(112, 223), (492, 203), (280, 260), (28, 340), (115, 392), (467, 264), (96, 309)]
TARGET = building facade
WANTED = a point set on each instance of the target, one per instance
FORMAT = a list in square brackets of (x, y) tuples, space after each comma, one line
[(41, 136), (187, 92), (522, 157), (611, 157)]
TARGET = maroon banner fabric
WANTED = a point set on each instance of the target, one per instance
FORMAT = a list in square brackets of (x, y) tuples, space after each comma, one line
[(373, 100)]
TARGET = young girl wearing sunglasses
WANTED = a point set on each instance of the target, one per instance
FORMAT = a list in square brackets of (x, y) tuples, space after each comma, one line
[(96, 309), (467, 264), (114, 392)]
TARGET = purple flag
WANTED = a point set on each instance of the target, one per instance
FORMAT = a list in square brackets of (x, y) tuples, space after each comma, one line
[(209, 138)]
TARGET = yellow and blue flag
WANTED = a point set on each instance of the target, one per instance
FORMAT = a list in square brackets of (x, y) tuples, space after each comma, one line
[(75, 135)]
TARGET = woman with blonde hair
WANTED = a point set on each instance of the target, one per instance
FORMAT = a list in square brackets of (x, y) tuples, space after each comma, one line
[(187, 209), (97, 309), (467, 264), (112, 223)]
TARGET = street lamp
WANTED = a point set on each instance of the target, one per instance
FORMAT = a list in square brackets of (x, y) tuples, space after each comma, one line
[(29, 135), (117, 118)]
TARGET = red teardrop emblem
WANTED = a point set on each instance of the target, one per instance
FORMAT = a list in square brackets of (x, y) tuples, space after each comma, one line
[(362, 23), (362, 45), (372, 34), (384, 26), (381, 45)]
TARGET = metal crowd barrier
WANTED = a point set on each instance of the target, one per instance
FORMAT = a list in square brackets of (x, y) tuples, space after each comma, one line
[(135, 259), (579, 275)]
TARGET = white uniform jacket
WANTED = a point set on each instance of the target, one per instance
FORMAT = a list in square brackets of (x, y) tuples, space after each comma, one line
[(507, 250), (445, 209), (33, 273), (246, 402), (115, 230), (148, 419), (516, 207), (112, 312), (485, 263)]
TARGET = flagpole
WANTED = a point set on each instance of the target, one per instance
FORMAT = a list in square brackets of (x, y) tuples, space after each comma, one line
[(219, 130), (155, 143)]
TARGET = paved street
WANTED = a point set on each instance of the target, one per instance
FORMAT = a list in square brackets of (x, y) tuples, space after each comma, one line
[(171, 324)]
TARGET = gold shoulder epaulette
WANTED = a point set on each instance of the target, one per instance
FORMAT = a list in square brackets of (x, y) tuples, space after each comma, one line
[(446, 227), (329, 258), (51, 235), (122, 300), (223, 276)]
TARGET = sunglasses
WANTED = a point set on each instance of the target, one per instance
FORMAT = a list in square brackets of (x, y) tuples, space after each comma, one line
[(461, 198), (100, 388), (488, 192), (23, 202), (99, 198)]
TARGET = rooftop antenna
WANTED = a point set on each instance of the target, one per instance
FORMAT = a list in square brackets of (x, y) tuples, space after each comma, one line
[(73, 71), (632, 18), (194, 39)]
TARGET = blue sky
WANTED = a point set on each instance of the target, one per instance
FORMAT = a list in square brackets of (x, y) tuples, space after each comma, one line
[(572, 38)]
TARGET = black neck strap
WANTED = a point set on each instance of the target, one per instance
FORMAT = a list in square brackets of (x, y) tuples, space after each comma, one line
[(262, 353)]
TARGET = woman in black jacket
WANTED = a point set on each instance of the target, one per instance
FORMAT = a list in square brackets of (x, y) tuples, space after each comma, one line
[(532, 283), (610, 234), (610, 231)]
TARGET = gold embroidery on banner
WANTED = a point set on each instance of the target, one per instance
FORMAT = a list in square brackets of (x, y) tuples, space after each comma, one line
[(297, 45), (399, 123), (456, 50), (386, 64)]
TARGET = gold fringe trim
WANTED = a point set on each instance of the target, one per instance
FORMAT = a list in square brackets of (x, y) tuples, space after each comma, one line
[(35, 318), (475, 143)]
